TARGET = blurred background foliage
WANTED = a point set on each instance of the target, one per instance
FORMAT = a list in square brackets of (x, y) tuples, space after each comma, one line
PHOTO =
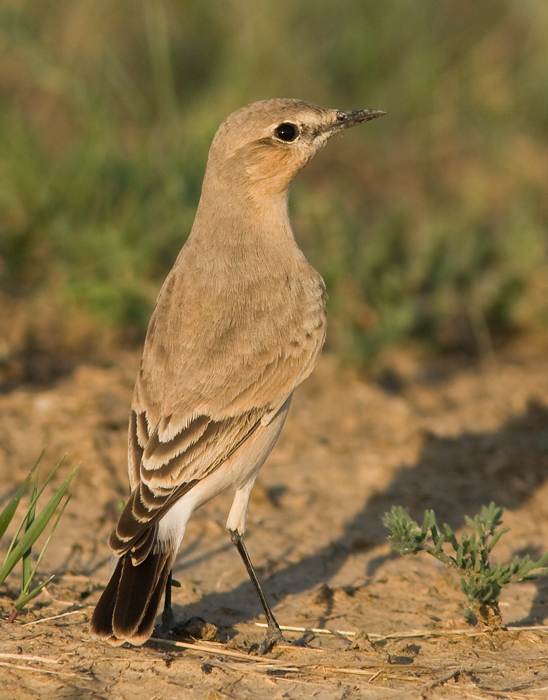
[(428, 225)]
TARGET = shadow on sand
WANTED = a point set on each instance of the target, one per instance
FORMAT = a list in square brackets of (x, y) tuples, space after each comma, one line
[(455, 476)]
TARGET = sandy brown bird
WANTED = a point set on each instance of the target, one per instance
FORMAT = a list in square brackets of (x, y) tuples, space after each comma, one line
[(238, 324)]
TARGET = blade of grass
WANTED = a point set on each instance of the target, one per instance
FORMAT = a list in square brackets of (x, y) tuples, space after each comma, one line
[(9, 511), (36, 529), (24, 599), (26, 560), (25, 595), (32, 503)]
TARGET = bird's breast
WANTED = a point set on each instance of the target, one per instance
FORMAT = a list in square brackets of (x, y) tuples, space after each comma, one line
[(218, 334)]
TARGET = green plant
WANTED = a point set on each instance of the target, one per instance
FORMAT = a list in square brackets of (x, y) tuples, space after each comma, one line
[(480, 580), (31, 526)]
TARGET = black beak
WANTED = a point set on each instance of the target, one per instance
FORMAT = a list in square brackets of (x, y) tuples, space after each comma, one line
[(346, 119)]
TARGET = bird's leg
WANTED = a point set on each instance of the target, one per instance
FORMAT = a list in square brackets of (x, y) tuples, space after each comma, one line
[(273, 632), (167, 614)]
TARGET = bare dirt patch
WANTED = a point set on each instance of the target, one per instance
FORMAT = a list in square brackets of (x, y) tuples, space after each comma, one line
[(447, 435)]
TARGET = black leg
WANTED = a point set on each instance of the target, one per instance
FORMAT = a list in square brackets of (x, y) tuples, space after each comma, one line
[(273, 632), (167, 615)]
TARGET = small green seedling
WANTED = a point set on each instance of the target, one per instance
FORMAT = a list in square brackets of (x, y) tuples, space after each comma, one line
[(481, 581), (30, 527)]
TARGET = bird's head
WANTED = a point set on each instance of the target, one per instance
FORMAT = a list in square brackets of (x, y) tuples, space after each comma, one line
[(264, 145)]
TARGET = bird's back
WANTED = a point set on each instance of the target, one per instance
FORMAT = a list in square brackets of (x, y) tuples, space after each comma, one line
[(227, 317)]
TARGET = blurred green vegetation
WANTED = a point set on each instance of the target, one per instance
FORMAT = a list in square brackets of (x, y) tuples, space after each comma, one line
[(429, 224)]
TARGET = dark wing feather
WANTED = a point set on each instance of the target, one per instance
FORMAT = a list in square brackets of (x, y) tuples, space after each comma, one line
[(160, 487)]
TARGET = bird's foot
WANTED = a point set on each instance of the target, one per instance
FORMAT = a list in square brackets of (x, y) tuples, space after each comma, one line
[(166, 624), (272, 637), (168, 618)]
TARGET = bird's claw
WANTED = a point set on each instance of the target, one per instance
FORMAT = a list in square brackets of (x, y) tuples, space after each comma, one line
[(273, 636)]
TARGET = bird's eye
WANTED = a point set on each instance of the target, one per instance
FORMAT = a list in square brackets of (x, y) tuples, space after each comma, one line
[(287, 131)]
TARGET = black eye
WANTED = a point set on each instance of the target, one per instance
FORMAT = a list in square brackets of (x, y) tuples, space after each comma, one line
[(287, 132)]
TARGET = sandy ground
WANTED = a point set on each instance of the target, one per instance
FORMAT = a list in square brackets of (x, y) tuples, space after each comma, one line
[(445, 434)]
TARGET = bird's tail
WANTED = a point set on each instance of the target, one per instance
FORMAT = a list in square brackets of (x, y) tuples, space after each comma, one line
[(127, 609)]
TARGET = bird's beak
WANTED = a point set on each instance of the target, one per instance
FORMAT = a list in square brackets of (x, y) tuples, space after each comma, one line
[(343, 120)]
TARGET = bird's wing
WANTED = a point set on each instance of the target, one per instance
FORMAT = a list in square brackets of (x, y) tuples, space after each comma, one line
[(170, 468), (198, 400)]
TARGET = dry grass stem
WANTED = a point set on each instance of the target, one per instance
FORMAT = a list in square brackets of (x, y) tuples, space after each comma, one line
[(375, 675), (207, 649), (443, 679), (44, 670), (402, 635), (316, 630), (53, 617), (449, 633), (43, 659), (511, 694), (533, 628), (346, 670)]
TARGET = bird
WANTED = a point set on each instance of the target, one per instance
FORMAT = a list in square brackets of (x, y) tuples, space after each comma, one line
[(239, 323)]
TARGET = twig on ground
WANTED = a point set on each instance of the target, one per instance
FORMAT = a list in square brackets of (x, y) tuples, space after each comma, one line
[(442, 679)]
